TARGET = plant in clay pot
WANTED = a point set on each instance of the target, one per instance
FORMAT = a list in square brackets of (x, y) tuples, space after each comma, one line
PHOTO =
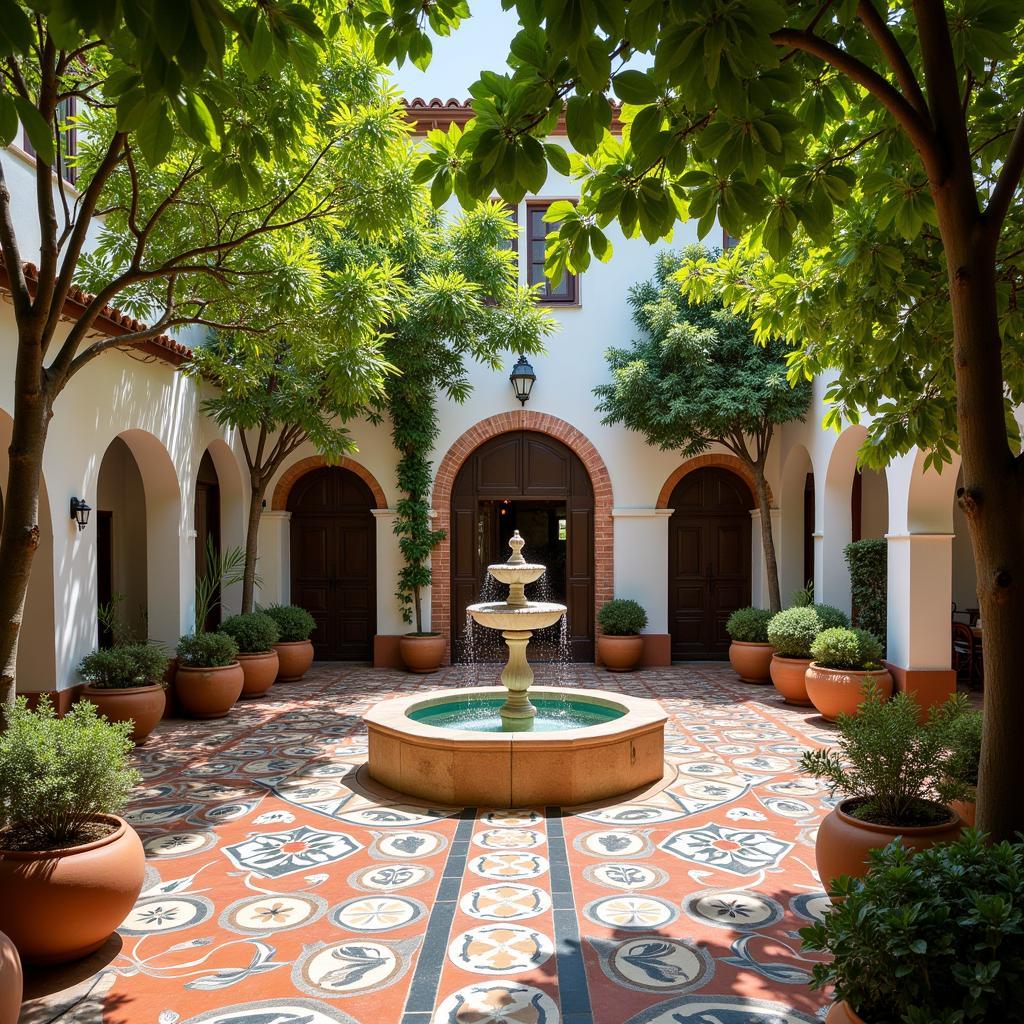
[(892, 770), (750, 653), (126, 683), (935, 937), (791, 634), (620, 647), (70, 868), (209, 677), (255, 634), (965, 759), (842, 660), (294, 648)]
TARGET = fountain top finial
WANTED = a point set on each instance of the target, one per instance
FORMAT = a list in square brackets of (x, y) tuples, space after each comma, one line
[(516, 543)]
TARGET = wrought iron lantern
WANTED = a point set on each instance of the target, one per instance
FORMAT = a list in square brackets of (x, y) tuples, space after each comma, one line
[(522, 378), (80, 512)]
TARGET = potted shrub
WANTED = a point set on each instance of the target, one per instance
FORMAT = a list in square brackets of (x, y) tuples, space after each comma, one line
[(750, 653), (126, 683), (620, 645), (209, 678), (842, 660), (70, 868), (255, 634), (893, 772), (965, 757), (791, 633), (931, 938), (294, 648)]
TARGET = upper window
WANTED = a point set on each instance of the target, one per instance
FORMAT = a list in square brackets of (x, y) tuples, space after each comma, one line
[(68, 139), (567, 291)]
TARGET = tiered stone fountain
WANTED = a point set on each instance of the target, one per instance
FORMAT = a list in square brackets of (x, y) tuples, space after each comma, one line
[(494, 747)]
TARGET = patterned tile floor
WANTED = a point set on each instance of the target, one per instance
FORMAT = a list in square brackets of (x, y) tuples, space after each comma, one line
[(277, 893)]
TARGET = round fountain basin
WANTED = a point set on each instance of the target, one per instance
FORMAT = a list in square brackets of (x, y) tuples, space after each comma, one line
[(530, 616), (565, 762), (516, 572)]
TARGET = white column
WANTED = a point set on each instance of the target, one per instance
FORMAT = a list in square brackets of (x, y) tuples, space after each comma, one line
[(274, 563), (920, 573), (641, 561), (758, 565), (389, 562)]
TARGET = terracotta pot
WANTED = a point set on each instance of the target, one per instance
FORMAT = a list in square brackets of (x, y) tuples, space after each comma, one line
[(835, 691), (10, 981), (60, 905), (840, 1013), (620, 653), (209, 692), (422, 653), (844, 842), (751, 662), (141, 705), (258, 672), (788, 677), (294, 659), (967, 809)]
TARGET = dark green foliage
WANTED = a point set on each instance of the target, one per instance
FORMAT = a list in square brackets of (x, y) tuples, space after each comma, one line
[(57, 772), (124, 666), (965, 747), (749, 625), (830, 617), (935, 937), (896, 766), (868, 562), (293, 623), (621, 617), (793, 630), (254, 633), (207, 650), (853, 649)]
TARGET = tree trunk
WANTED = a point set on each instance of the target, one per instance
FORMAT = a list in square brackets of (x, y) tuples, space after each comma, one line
[(767, 539), (252, 546)]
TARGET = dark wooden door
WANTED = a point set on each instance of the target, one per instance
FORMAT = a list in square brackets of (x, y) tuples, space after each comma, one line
[(708, 561), (334, 563), (526, 470), (105, 571), (207, 519)]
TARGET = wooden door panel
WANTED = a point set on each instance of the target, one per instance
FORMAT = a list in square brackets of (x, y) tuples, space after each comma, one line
[(498, 467), (545, 469)]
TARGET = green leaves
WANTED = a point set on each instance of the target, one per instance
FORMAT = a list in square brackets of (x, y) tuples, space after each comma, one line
[(40, 134)]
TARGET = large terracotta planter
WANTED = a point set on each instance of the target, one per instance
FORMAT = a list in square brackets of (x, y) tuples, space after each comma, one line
[(751, 662), (258, 672), (208, 692), (620, 653), (967, 809), (844, 842), (10, 981), (836, 691), (788, 677), (61, 905), (422, 653), (840, 1013), (294, 659), (143, 706)]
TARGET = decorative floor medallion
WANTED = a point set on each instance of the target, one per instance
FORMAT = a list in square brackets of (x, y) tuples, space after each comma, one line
[(274, 854), (505, 902), (738, 851), (654, 963), (258, 915), (631, 913), (377, 913), (500, 949), (497, 1003), (509, 866)]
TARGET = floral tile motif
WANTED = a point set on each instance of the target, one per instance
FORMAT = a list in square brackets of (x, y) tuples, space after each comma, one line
[(739, 851), (274, 854)]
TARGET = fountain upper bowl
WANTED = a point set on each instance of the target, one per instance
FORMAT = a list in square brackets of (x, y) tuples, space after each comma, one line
[(505, 616), (516, 572)]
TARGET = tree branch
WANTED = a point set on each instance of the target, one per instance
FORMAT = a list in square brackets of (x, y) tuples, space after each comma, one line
[(894, 55), (20, 297), (1006, 183)]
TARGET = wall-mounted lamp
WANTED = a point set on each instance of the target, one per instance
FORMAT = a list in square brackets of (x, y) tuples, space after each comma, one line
[(80, 512), (522, 378)]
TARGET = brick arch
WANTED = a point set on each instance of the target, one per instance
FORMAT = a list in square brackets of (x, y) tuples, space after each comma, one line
[(291, 476), (504, 423), (720, 459)]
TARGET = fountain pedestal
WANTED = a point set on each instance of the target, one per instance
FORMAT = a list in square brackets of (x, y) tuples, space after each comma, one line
[(517, 712)]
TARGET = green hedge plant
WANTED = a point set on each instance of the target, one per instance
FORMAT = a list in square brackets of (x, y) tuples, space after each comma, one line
[(830, 617), (254, 632), (868, 564), (855, 650), (934, 937), (57, 773), (125, 666), (207, 650), (965, 747), (294, 624), (622, 617), (749, 625), (792, 632)]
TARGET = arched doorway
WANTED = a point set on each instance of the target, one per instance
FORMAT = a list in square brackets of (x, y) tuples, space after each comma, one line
[(207, 524), (534, 483), (334, 561), (708, 562)]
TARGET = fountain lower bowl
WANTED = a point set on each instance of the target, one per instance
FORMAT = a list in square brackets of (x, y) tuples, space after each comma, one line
[(459, 765), (516, 617)]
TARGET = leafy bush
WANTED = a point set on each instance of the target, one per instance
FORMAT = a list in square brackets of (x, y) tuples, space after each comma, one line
[(293, 623), (935, 937), (254, 632), (749, 625), (895, 766), (118, 668), (622, 617), (830, 617), (852, 649), (868, 563), (804, 596), (965, 747), (207, 650), (56, 773), (791, 632)]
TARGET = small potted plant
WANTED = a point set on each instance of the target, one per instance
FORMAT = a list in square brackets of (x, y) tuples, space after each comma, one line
[(70, 868), (791, 633), (209, 678), (936, 937), (126, 683), (620, 647), (893, 772), (294, 648), (750, 653), (842, 660), (255, 634), (965, 758)]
